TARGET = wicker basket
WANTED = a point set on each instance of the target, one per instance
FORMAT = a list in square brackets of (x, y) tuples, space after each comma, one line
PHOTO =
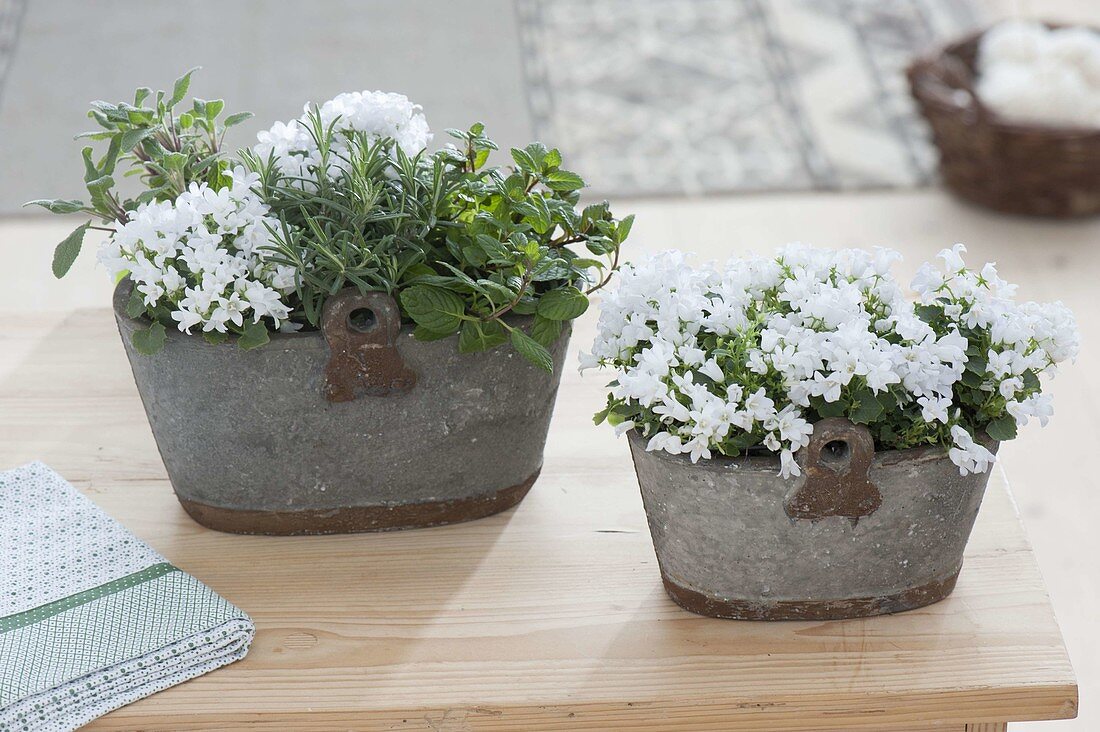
[(1020, 168)]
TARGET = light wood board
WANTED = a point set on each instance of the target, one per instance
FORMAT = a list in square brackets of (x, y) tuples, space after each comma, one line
[(548, 617)]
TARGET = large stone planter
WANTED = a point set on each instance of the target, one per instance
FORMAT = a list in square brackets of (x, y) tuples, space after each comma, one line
[(859, 533), (346, 430)]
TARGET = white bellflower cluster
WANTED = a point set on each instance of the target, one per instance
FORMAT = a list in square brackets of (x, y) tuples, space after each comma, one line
[(202, 257), (722, 360)]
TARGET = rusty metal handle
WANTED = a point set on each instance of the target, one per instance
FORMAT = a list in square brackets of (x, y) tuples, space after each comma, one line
[(363, 361), (836, 483)]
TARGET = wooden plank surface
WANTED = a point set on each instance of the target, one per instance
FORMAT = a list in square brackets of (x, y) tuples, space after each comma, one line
[(548, 617)]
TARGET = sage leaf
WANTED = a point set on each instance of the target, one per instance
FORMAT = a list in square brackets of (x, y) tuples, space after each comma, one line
[(179, 89), (132, 138), (236, 119), (57, 205), (66, 252)]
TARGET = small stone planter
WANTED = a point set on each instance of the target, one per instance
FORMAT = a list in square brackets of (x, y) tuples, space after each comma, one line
[(346, 429), (859, 533)]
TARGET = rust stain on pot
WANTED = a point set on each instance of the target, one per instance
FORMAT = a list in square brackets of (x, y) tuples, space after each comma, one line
[(853, 607), (355, 519), (363, 361), (836, 462)]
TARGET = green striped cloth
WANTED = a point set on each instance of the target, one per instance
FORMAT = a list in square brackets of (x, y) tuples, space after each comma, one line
[(90, 617)]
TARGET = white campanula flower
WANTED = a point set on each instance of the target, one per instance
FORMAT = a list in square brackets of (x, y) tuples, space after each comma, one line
[(203, 256), (716, 360), (376, 114), (967, 454)]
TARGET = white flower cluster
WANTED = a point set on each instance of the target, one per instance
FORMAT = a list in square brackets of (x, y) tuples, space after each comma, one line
[(377, 114), (1029, 73), (201, 256), (724, 359)]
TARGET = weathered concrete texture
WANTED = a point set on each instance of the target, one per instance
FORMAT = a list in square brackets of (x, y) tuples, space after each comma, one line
[(727, 547), (251, 432)]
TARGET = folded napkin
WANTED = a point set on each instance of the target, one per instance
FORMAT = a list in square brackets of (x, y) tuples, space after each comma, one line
[(90, 617)]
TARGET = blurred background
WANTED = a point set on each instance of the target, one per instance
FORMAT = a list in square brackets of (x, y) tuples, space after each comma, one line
[(725, 125)]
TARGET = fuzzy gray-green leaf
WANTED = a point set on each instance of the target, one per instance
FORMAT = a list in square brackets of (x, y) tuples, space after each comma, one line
[(57, 205), (66, 252)]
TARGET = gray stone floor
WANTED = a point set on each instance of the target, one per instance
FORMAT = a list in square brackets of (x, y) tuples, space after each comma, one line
[(644, 97)]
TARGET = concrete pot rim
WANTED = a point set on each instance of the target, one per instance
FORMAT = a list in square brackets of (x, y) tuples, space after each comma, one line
[(284, 341), (770, 463)]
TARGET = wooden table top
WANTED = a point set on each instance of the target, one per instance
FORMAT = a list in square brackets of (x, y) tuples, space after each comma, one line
[(550, 616)]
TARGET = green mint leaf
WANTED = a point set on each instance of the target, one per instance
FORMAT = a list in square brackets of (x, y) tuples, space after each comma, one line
[(433, 308), (564, 304), (532, 351), (564, 180), (523, 160), (622, 231), (423, 334), (477, 336), (546, 331)]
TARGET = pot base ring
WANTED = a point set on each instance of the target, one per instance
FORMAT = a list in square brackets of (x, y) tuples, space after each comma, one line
[(855, 607), (358, 519)]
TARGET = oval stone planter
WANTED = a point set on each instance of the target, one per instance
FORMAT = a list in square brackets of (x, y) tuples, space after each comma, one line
[(859, 533), (343, 430)]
